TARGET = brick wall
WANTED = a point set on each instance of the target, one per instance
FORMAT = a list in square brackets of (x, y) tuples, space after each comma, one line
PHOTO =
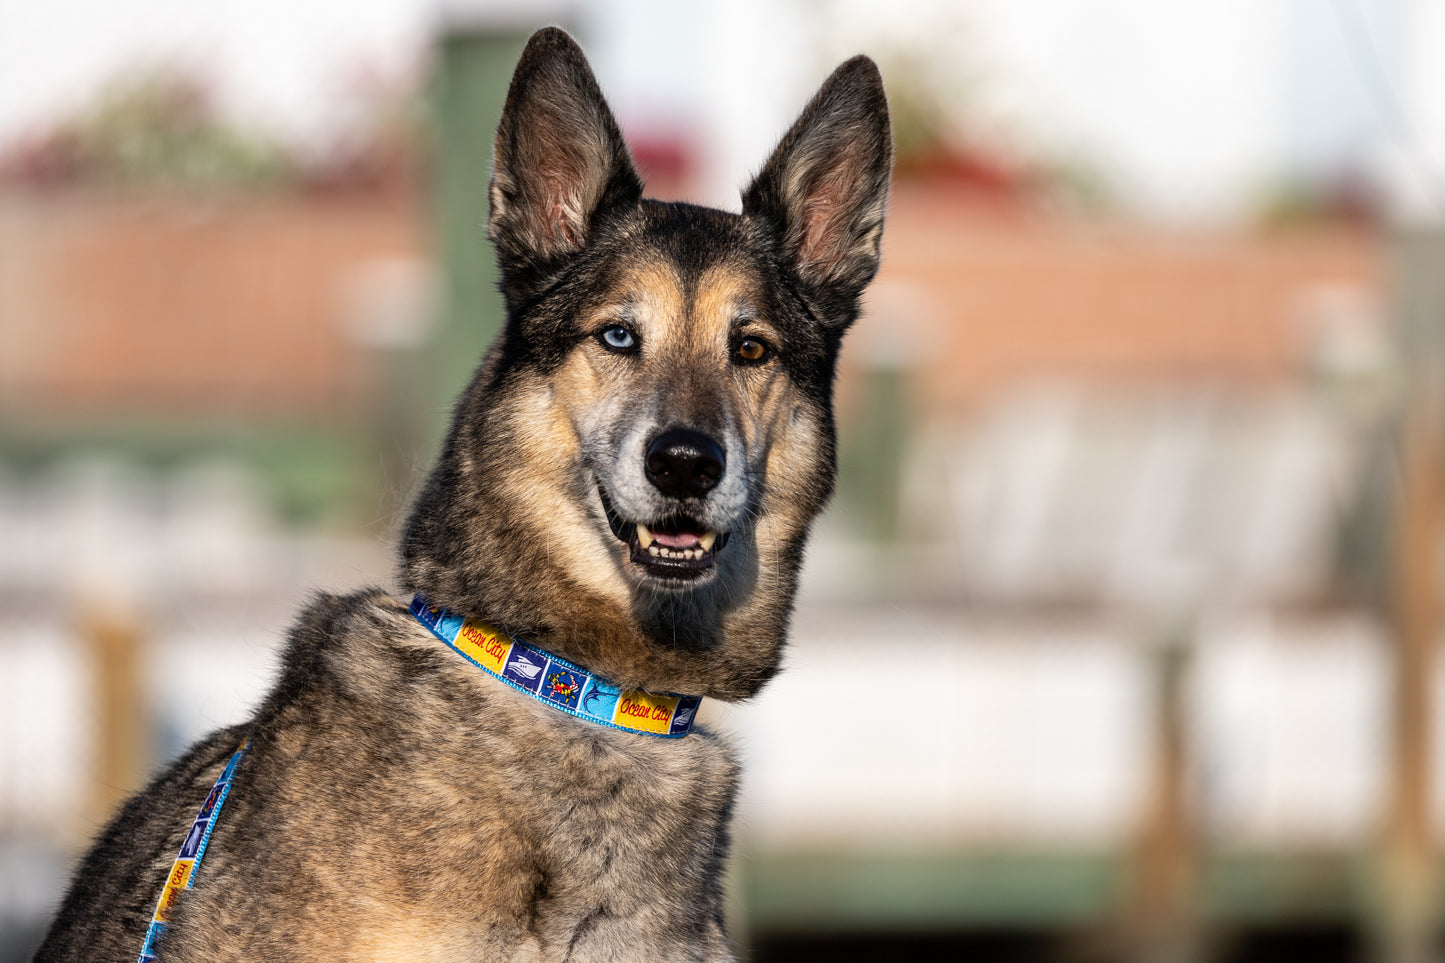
[(237, 307), (976, 299), (145, 306)]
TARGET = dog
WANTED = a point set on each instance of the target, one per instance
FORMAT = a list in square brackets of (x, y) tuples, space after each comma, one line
[(501, 764)]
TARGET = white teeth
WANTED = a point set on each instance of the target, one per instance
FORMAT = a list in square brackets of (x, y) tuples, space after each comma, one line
[(648, 541), (662, 551)]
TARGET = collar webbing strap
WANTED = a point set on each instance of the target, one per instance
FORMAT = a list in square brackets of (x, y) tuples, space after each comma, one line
[(557, 682), (183, 871)]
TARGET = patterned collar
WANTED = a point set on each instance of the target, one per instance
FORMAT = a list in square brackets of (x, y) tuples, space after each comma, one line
[(557, 682)]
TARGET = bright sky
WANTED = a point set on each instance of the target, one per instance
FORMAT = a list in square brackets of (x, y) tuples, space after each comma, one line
[(1192, 106)]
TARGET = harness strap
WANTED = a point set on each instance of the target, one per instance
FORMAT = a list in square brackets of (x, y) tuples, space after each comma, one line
[(183, 871)]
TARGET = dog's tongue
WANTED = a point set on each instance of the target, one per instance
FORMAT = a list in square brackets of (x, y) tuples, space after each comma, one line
[(678, 539)]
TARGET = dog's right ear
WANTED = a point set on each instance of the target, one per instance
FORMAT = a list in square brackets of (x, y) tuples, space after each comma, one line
[(560, 163)]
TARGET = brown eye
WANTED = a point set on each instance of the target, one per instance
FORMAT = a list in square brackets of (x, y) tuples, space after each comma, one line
[(751, 350)]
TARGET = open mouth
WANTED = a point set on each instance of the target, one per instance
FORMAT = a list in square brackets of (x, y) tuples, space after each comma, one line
[(677, 547)]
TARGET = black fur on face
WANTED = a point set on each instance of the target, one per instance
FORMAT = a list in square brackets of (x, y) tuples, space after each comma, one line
[(727, 326)]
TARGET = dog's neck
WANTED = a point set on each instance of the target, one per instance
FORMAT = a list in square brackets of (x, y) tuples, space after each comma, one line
[(704, 642), (729, 658)]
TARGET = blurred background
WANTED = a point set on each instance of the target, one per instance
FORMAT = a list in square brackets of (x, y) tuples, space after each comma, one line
[(1120, 641)]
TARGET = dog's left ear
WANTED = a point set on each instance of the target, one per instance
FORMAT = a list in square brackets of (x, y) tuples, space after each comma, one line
[(823, 191), (560, 163)]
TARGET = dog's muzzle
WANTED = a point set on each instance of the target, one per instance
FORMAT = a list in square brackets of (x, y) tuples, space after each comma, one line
[(671, 542), (676, 548)]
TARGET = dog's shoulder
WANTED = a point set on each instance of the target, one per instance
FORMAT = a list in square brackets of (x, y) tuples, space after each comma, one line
[(113, 894)]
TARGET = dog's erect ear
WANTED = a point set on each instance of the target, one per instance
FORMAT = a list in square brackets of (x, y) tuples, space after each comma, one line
[(824, 189), (560, 162)]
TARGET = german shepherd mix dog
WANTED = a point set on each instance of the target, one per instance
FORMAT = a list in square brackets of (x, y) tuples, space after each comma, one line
[(623, 497)]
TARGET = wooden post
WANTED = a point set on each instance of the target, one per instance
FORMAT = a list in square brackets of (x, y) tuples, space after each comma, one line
[(1411, 890), (1409, 919), (113, 646), (1162, 925)]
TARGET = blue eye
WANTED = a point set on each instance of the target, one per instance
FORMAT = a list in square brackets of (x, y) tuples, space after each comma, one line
[(618, 338)]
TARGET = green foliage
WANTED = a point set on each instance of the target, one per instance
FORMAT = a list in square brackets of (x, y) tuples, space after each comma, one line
[(160, 129), (153, 128)]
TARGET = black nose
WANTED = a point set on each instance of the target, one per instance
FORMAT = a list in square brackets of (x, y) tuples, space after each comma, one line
[(682, 463)]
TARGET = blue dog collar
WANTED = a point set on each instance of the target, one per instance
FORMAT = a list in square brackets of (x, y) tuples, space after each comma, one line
[(557, 682)]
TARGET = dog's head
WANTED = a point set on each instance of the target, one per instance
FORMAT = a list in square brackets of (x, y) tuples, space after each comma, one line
[(630, 477)]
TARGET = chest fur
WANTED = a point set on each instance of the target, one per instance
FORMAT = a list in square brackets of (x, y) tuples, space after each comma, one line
[(530, 839)]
